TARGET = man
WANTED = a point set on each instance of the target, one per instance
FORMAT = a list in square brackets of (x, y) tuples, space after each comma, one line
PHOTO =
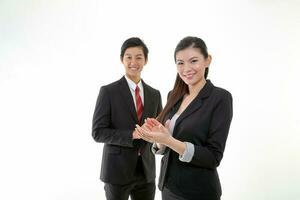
[(128, 165)]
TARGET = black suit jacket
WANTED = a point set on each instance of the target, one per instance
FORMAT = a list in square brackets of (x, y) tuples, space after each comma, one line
[(113, 123), (205, 123)]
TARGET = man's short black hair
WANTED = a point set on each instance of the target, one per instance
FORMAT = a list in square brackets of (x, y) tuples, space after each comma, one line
[(134, 42)]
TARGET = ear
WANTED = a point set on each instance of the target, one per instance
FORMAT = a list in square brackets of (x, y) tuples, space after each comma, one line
[(208, 60), (121, 59), (146, 61)]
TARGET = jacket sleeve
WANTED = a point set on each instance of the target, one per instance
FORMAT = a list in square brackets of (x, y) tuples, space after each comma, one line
[(159, 104), (210, 154), (101, 129)]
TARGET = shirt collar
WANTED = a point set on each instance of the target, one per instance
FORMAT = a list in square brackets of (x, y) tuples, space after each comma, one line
[(132, 84)]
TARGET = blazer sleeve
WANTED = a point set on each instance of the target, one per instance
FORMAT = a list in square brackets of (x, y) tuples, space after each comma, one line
[(159, 104), (101, 130), (210, 154)]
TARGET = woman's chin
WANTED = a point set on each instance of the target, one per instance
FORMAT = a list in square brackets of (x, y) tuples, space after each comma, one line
[(189, 81)]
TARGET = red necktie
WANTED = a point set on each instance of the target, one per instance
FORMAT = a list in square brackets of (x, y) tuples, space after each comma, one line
[(139, 105)]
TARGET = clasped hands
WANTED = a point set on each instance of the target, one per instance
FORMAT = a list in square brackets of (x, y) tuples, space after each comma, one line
[(153, 131)]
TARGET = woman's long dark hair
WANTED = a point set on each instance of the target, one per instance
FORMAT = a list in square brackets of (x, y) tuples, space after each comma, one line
[(180, 88)]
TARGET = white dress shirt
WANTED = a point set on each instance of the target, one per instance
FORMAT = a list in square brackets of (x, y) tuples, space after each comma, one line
[(132, 87)]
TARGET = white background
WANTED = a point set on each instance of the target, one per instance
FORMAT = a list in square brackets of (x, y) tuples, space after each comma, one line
[(55, 55)]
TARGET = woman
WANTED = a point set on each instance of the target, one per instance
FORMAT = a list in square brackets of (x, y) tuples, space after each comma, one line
[(196, 121)]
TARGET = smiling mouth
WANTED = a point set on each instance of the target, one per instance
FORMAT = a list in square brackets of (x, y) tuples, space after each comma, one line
[(133, 68), (189, 76)]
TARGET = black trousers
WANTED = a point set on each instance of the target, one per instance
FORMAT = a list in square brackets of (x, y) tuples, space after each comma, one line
[(166, 194), (137, 190), (169, 195)]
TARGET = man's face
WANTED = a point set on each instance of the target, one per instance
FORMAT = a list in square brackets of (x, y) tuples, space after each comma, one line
[(134, 61)]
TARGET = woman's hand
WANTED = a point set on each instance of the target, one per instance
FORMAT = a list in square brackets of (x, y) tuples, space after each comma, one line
[(136, 134), (154, 131)]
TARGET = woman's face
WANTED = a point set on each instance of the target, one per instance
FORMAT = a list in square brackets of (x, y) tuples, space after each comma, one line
[(134, 61), (191, 65)]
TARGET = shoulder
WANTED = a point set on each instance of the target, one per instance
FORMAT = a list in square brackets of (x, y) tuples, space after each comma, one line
[(150, 89), (218, 91), (110, 89), (111, 86), (221, 95)]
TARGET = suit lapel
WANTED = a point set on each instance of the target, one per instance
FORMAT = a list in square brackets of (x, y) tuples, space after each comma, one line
[(125, 91), (192, 107), (195, 104), (148, 102)]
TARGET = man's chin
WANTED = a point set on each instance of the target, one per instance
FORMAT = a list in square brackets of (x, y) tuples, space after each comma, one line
[(133, 75)]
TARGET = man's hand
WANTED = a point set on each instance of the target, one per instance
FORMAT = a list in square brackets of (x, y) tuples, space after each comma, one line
[(135, 135)]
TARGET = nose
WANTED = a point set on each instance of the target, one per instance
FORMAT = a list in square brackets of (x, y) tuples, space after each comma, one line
[(133, 62), (187, 68)]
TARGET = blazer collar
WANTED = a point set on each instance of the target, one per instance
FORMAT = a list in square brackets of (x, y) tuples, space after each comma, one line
[(195, 104), (132, 84), (127, 97), (149, 102), (148, 99)]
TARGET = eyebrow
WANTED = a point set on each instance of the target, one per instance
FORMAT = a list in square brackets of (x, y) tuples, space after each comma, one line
[(193, 57), (189, 58), (128, 54)]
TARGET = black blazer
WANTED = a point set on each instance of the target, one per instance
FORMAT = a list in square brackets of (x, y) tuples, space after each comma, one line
[(205, 123), (113, 123)]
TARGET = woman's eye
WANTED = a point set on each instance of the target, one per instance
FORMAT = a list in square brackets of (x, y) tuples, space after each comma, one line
[(194, 61)]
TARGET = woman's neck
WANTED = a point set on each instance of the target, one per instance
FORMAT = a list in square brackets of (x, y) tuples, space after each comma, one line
[(195, 89)]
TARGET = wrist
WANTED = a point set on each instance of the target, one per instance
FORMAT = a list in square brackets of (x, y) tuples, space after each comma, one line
[(134, 135), (169, 141), (158, 145)]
